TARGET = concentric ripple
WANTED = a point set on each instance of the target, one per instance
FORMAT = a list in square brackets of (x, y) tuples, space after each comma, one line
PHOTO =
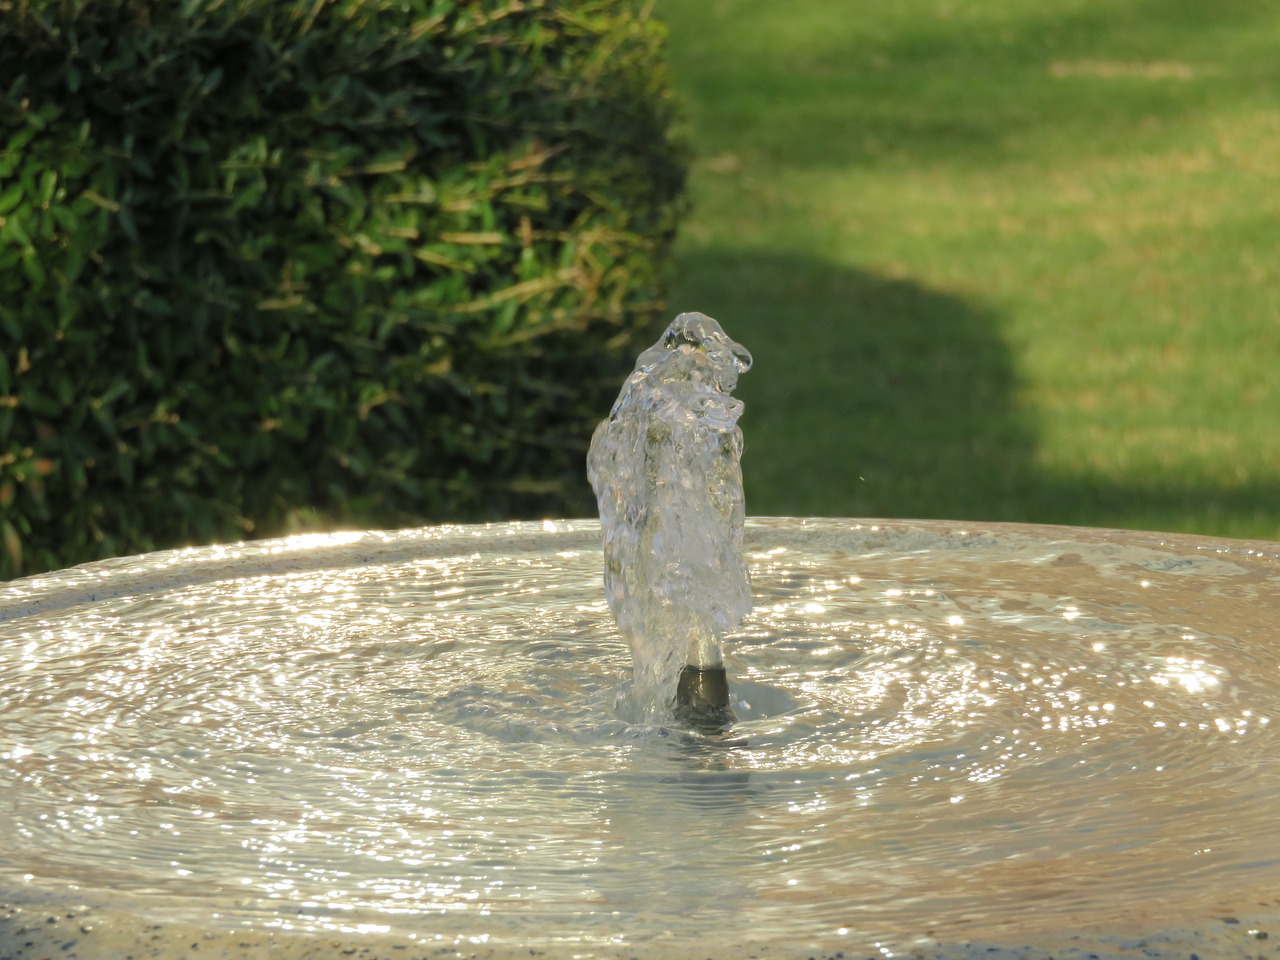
[(943, 734)]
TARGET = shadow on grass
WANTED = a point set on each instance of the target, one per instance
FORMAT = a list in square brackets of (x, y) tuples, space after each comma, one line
[(894, 400), (888, 400)]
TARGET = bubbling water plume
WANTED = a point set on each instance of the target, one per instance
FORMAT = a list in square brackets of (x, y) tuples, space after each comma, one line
[(666, 471)]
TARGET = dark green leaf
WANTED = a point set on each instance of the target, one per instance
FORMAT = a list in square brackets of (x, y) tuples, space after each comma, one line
[(10, 197)]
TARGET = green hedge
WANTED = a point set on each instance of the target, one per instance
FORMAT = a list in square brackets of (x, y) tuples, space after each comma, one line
[(270, 266)]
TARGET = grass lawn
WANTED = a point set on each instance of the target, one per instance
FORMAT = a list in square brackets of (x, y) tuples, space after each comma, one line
[(996, 259)]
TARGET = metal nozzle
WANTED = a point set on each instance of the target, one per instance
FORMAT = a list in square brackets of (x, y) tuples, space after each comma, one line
[(702, 699)]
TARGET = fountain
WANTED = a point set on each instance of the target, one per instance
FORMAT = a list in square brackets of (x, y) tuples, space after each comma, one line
[(937, 740)]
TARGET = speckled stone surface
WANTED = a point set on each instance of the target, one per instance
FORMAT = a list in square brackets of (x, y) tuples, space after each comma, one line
[(82, 933)]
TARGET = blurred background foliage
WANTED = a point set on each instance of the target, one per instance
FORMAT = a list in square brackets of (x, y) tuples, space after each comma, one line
[(269, 266), (999, 260)]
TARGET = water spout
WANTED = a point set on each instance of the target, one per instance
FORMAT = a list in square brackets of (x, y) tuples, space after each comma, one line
[(665, 467)]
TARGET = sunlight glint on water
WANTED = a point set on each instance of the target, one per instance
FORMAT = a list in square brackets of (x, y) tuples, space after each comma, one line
[(937, 731)]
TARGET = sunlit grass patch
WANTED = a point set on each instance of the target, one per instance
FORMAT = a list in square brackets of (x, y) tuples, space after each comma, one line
[(1003, 260)]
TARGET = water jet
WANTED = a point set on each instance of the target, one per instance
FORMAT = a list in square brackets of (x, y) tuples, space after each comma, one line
[(665, 467)]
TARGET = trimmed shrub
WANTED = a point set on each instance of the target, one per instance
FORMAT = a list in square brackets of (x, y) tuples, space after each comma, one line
[(272, 266)]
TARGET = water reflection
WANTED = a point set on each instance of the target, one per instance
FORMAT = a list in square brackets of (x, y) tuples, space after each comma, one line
[(992, 733)]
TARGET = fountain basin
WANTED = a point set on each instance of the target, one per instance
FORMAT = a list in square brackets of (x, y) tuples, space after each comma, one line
[(953, 740)]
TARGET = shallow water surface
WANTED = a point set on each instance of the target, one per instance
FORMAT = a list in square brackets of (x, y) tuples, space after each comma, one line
[(944, 735)]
